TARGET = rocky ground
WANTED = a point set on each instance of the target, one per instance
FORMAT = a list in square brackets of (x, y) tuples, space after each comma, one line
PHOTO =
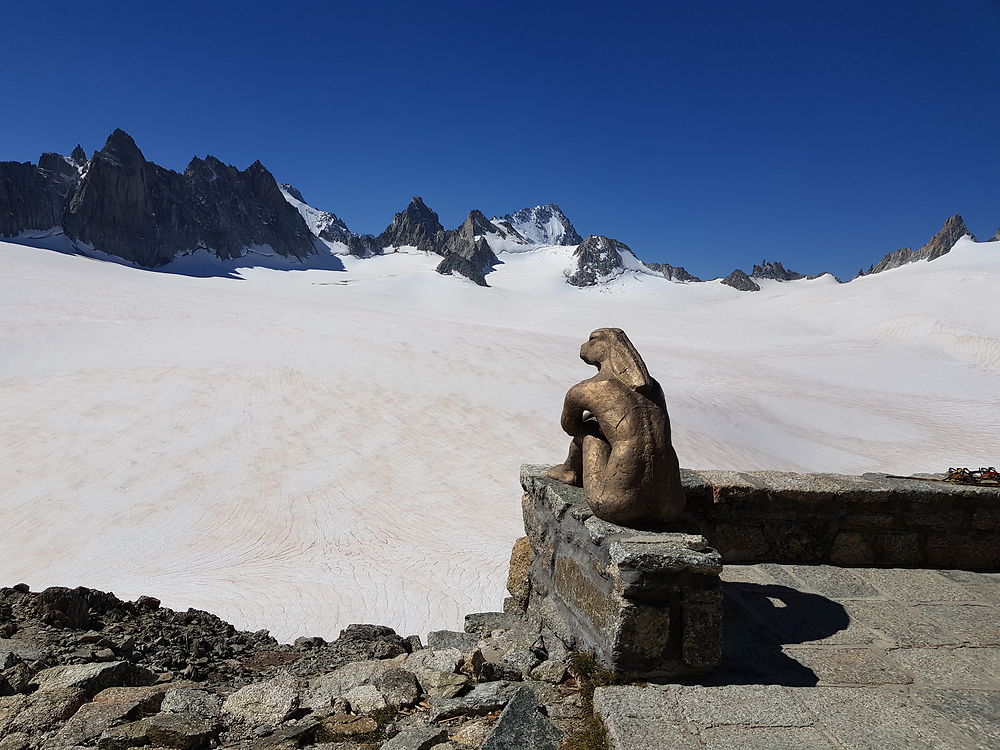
[(83, 669)]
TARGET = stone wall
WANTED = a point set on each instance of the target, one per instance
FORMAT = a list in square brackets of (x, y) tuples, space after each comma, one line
[(646, 604), (768, 516)]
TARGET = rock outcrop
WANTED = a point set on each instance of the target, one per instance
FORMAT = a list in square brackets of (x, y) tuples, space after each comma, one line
[(775, 271), (466, 252), (542, 225), (415, 226), (673, 273), (940, 244), (597, 259), (739, 280), (34, 198)]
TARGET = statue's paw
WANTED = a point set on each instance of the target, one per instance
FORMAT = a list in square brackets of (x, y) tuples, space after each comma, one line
[(562, 474)]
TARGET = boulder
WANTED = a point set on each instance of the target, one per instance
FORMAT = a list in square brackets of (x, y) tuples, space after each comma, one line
[(181, 731), (523, 727), (264, 703), (417, 738), (92, 678), (444, 639), (192, 701), (481, 700)]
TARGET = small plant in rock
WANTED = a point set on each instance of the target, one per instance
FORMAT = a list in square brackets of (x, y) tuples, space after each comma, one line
[(590, 675)]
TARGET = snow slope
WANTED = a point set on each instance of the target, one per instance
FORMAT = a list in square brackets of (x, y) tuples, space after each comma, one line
[(299, 450)]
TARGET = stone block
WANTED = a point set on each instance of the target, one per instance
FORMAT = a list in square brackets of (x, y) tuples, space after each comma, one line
[(898, 548), (853, 548), (645, 602)]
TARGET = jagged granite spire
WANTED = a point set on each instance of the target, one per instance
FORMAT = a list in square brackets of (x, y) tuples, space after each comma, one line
[(79, 156), (417, 225)]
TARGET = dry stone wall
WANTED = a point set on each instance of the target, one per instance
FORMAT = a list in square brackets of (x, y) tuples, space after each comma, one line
[(770, 516)]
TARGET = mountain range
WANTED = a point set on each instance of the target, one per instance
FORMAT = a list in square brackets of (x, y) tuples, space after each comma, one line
[(119, 203)]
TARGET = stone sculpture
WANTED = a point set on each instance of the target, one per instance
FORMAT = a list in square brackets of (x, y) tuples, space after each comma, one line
[(621, 452)]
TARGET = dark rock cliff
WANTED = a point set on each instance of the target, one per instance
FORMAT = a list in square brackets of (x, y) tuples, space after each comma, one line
[(34, 197), (124, 205)]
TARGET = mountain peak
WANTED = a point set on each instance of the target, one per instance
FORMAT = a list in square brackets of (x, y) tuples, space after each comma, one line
[(417, 225), (78, 155), (544, 225), (119, 140)]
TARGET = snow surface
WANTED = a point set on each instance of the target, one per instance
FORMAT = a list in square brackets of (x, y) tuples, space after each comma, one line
[(303, 450)]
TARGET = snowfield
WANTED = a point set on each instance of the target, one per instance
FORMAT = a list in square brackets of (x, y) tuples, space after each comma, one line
[(299, 450)]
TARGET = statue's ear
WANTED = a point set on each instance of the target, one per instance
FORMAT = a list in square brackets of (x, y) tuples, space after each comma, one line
[(625, 362)]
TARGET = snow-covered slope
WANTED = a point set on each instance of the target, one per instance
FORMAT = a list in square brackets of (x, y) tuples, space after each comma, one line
[(323, 224), (302, 450), (541, 225)]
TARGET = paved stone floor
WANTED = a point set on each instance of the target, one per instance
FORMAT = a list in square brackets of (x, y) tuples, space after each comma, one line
[(824, 658)]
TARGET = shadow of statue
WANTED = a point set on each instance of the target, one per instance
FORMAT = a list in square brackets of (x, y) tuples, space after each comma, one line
[(758, 620)]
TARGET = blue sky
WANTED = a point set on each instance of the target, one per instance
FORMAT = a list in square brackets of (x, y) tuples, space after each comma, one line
[(705, 134)]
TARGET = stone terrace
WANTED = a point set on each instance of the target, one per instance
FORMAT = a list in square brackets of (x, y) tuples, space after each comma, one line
[(823, 658)]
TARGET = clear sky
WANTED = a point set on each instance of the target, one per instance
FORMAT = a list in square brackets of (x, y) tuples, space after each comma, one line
[(707, 134)]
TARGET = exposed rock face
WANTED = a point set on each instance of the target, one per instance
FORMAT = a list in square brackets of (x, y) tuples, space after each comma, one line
[(940, 244), (467, 253), (774, 270), (674, 273), (417, 226), (597, 259), (895, 259), (34, 197), (543, 225), (126, 206), (739, 280), (996, 236)]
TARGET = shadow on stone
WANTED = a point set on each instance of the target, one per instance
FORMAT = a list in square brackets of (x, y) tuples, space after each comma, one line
[(758, 620)]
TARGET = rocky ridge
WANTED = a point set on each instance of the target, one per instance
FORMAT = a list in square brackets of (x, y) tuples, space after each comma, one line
[(942, 242), (119, 203), (672, 273), (80, 668)]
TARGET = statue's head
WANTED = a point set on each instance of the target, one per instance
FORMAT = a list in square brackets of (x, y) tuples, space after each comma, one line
[(610, 351)]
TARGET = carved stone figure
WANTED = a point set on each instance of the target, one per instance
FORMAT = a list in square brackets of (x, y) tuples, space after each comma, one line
[(621, 452)]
